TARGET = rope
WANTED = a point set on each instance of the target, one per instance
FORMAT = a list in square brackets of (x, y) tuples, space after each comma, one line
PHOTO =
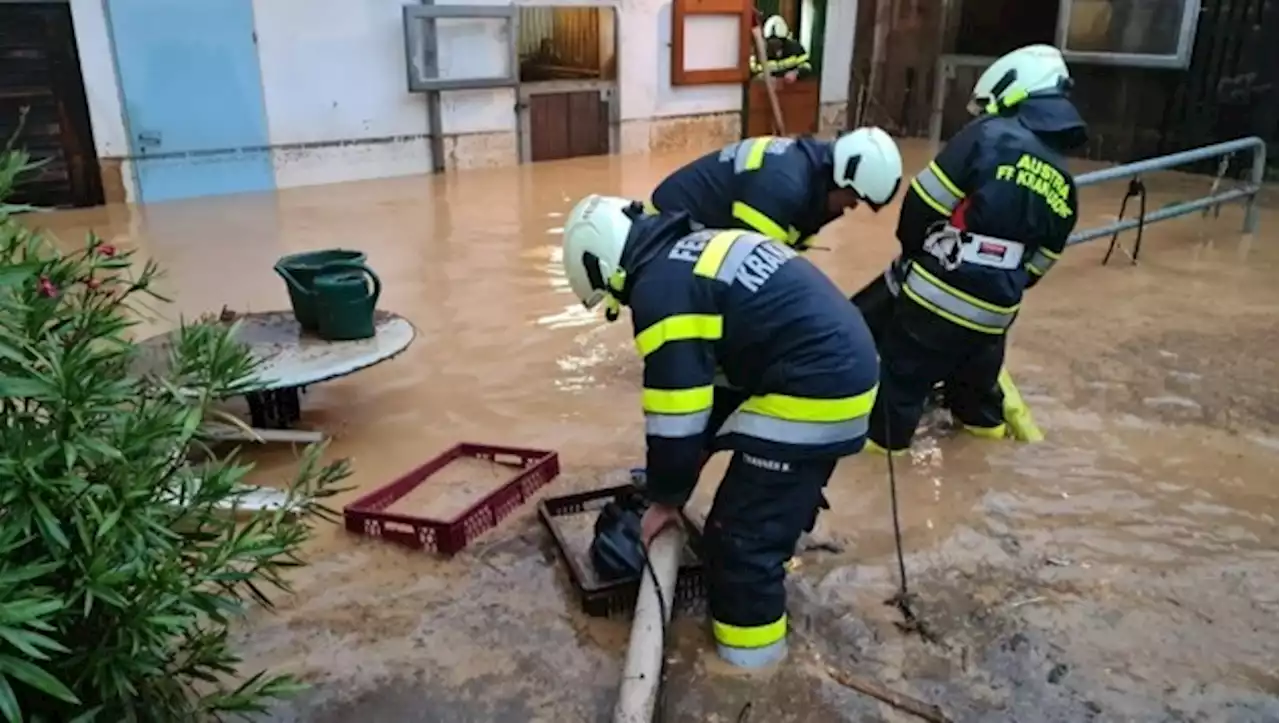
[(903, 599)]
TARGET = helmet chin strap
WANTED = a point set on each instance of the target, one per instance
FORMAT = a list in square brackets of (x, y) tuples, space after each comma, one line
[(612, 304), (995, 107)]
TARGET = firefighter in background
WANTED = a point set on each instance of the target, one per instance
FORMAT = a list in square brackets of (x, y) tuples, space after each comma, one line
[(786, 57), (784, 188), (781, 331), (985, 220)]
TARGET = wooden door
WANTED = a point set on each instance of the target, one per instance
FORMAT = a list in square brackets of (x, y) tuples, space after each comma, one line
[(568, 125), (40, 71)]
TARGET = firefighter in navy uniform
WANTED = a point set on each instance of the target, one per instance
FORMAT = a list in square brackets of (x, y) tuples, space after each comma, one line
[(985, 220), (777, 328), (784, 188), (785, 56)]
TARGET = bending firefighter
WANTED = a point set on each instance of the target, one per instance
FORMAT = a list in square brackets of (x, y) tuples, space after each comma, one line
[(785, 56), (786, 189), (984, 221), (781, 331)]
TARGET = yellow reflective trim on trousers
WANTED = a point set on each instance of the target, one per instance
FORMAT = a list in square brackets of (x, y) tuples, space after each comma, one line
[(765, 225), (679, 327), (871, 447), (678, 401), (712, 257), (962, 295), (996, 432), (756, 636), (808, 409), (650, 209), (945, 181), (915, 186), (1017, 415)]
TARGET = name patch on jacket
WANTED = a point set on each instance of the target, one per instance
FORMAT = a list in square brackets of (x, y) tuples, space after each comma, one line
[(761, 264), (1041, 178), (751, 260)]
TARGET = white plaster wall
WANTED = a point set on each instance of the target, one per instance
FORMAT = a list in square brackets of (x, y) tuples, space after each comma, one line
[(334, 81), (102, 89), (644, 68), (837, 53), (97, 65), (332, 71)]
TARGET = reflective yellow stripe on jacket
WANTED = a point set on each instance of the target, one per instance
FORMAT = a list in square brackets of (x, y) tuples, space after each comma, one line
[(793, 62), (678, 412), (765, 225), (802, 420), (936, 189), (942, 195), (750, 157), (1041, 261), (955, 305)]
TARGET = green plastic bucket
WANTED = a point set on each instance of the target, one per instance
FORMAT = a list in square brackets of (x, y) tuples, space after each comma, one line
[(299, 272), (346, 295)]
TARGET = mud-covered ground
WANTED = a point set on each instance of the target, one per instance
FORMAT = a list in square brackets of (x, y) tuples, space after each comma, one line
[(1123, 569)]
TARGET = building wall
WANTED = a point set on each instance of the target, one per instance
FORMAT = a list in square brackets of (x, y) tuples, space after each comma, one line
[(333, 78), (841, 28)]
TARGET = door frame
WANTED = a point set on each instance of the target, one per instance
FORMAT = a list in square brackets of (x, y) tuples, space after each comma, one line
[(608, 90), (133, 161)]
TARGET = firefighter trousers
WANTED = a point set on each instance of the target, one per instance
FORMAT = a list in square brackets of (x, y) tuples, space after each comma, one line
[(760, 510), (911, 366)]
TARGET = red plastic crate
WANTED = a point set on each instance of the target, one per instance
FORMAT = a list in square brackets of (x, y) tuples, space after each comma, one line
[(366, 515)]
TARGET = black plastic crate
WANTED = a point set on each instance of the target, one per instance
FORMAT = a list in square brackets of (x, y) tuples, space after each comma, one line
[(607, 599)]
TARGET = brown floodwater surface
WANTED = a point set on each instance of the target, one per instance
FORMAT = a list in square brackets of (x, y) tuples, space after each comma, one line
[(1153, 499)]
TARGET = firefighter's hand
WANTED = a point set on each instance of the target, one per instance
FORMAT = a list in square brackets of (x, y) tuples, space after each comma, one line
[(655, 519), (791, 76)]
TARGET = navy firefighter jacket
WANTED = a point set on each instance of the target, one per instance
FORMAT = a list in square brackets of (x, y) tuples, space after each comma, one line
[(773, 186), (734, 313), (1001, 179)]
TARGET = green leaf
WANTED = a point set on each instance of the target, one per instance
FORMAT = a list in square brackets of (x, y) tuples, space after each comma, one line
[(108, 523), (11, 577), (88, 716), (21, 388), (11, 352), (9, 702), (30, 643), (12, 274), (49, 524), (36, 677)]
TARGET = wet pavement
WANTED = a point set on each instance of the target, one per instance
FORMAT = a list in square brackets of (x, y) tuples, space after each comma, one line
[(1124, 569)]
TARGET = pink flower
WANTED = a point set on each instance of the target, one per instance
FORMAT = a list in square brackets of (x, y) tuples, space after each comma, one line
[(92, 283), (46, 287), (107, 250)]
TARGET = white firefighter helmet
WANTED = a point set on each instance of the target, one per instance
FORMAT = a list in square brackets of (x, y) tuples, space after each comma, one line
[(867, 161), (594, 235), (776, 27), (1017, 74)]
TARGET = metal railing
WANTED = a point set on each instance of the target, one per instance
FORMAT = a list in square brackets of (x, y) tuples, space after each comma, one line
[(1247, 192)]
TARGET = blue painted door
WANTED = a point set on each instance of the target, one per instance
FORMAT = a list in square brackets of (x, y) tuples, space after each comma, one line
[(193, 96)]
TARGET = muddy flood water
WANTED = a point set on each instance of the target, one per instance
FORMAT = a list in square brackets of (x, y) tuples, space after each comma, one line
[(1125, 569)]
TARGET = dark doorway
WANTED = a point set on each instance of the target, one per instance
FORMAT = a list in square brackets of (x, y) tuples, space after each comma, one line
[(567, 125), (40, 71)]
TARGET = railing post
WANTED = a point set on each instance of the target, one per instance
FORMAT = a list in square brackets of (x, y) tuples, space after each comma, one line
[(1255, 177)]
